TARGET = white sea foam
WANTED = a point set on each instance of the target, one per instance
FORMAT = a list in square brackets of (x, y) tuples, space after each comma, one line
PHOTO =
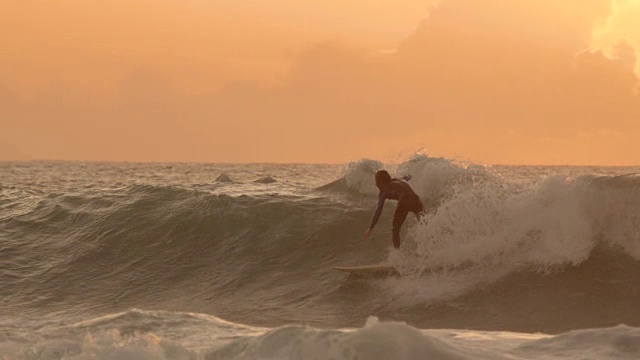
[(359, 175), (375, 340), (431, 177), (487, 228)]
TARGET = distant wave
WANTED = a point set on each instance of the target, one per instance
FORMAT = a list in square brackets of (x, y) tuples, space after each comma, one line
[(224, 178), (265, 180)]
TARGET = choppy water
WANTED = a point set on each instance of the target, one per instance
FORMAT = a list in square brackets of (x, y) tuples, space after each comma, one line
[(117, 260)]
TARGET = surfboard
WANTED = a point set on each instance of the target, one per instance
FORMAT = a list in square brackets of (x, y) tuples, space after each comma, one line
[(377, 270)]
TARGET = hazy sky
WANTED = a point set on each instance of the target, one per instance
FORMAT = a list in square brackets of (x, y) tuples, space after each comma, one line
[(518, 82)]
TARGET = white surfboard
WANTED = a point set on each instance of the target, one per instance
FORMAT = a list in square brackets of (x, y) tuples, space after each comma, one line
[(377, 270)]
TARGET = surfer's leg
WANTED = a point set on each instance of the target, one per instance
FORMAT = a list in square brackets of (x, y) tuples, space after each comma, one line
[(419, 210), (398, 219)]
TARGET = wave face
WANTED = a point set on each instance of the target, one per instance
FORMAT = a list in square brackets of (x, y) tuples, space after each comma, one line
[(504, 248)]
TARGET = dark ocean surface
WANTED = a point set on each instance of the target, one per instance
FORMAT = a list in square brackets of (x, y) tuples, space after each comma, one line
[(193, 261)]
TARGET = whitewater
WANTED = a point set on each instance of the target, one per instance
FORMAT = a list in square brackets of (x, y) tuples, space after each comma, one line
[(234, 261)]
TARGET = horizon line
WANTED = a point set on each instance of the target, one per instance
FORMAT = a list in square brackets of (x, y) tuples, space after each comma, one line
[(300, 163)]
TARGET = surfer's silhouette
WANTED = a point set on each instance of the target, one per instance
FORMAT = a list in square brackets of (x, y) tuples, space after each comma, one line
[(408, 201)]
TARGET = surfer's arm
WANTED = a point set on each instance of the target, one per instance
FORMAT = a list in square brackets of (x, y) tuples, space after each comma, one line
[(376, 214)]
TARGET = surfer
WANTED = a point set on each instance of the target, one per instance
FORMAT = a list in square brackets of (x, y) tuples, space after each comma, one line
[(408, 201)]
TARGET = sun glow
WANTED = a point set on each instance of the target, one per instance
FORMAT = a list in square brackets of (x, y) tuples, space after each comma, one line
[(535, 82)]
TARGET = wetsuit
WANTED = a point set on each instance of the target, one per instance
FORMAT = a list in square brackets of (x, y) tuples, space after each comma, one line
[(408, 200)]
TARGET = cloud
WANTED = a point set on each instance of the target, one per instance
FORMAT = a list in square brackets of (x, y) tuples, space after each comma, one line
[(484, 80), (566, 24), (468, 73), (621, 25)]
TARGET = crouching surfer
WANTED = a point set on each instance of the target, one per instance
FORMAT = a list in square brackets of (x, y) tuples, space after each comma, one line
[(408, 201)]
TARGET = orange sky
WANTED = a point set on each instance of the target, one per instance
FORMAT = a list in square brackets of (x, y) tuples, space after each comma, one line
[(526, 82)]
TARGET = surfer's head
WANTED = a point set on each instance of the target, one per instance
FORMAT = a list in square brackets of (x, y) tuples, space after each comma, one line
[(382, 179)]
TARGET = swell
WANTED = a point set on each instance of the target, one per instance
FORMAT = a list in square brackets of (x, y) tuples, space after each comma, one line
[(267, 259), (175, 335), (157, 245), (599, 292)]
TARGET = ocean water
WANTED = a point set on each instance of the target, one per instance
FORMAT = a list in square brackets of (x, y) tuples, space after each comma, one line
[(234, 261)]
